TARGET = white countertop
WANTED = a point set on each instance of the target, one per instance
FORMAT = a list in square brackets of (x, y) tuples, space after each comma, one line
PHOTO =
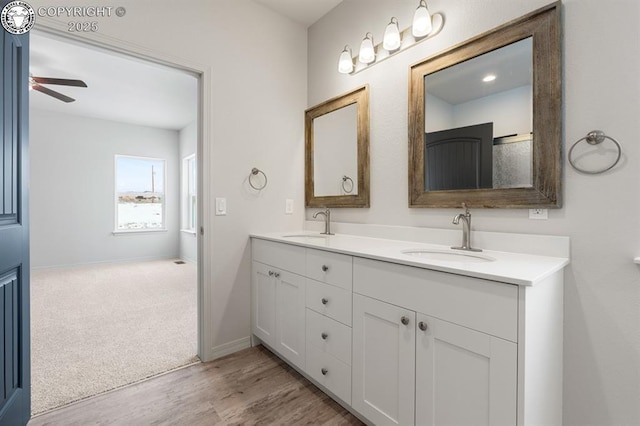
[(512, 268)]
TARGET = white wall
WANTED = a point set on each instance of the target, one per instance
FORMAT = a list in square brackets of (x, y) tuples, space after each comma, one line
[(188, 145), (257, 94), (600, 213), (73, 190)]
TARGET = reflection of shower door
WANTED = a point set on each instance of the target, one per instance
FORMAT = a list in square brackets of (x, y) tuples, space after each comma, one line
[(459, 158)]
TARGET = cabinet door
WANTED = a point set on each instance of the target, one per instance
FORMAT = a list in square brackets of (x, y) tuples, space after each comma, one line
[(290, 317), (463, 377), (264, 303), (383, 362)]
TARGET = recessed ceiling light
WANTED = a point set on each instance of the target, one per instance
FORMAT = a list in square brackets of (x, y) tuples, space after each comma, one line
[(489, 77)]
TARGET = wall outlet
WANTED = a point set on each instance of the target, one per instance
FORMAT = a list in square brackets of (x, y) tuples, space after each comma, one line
[(221, 206), (288, 206), (538, 214)]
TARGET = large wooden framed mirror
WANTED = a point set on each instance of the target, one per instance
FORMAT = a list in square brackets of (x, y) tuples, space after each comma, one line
[(337, 151), (485, 119)]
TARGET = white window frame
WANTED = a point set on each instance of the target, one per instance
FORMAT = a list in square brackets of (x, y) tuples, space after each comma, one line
[(164, 200), (189, 194)]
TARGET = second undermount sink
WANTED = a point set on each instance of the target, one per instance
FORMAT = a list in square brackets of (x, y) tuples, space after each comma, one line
[(448, 255)]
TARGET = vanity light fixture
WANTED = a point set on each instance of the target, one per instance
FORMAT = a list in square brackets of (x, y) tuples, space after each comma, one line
[(392, 39), (345, 63), (421, 21), (489, 77), (367, 51)]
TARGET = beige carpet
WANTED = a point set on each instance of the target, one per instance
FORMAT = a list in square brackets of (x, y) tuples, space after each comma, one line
[(96, 328)]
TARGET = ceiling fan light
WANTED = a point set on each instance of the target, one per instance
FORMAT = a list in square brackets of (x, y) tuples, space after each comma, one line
[(367, 52), (392, 40), (422, 25), (345, 63)]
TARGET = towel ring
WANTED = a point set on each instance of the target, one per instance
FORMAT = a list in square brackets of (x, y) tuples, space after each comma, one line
[(346, 178), (595, 137), (254, 172)]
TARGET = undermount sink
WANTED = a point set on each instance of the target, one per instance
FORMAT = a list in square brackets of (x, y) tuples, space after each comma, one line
[(448, 255), (305, 236)]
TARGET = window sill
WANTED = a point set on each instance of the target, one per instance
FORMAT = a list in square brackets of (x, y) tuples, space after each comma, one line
[(137, 231), (189, 231)]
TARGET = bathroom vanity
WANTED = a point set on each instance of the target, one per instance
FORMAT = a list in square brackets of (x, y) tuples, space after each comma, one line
[(409, 333)]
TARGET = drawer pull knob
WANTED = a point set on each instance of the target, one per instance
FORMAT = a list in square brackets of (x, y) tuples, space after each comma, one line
[(270, 273), (325, 268), (422, 326), (276, 274), (324, 336), (324, 371), (404, 320), (325, 300)]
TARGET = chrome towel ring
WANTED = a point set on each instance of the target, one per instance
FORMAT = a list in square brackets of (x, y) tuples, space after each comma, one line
[(346, 178), (255, 172), (595, 137)]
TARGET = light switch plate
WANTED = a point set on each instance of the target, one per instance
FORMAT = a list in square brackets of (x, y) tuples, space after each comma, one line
[(288, 206), (221, 206), (538, 214)]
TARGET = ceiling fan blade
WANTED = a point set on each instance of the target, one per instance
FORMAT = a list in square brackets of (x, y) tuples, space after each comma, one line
[(60, 81), (53, 93)]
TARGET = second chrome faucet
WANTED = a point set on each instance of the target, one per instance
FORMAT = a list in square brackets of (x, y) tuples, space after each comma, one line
[(466, 229), (327, 220)]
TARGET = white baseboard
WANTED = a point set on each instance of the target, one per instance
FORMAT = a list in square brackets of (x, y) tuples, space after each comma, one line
[(104, 262), (230, 347)]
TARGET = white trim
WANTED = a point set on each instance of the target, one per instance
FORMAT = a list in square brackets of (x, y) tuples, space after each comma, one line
[(105, 262), (138, 231), (231, 347), (204, 75), (189, 231)]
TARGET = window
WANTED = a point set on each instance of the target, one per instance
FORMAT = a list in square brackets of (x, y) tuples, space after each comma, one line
[(190, 197), (140, 196)]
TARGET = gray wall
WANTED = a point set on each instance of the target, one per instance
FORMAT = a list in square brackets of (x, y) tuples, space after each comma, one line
[(72, 190), (600, 213), (188, 146)]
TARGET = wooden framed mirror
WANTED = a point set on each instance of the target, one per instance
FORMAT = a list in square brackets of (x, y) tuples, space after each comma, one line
[(485, 119), (337, 151)]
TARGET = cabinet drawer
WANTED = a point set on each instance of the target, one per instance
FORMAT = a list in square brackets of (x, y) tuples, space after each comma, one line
[(283, 256), (329, 336), (482, 305), (328, 300), (330, 372), (331, 268)]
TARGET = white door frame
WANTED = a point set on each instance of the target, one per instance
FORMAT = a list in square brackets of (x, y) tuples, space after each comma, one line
[(203, 74)]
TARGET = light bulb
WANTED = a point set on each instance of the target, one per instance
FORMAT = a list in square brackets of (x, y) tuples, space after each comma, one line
[(391, 40), (367, 52), (489, 78), (421, 21), (345, 63)]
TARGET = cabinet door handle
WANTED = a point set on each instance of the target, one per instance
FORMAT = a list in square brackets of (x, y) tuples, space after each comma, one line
[(325, 300), (325, 268), (276, 274), (404, 320), (422, 326), (270, 273), (324, 371), (324, 336)]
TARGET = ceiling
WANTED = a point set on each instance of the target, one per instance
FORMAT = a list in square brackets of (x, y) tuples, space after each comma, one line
[(304, 12), (129, 90), (119, 88)]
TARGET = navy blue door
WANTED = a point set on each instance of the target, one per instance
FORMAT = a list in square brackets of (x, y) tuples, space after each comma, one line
[(15, 377)]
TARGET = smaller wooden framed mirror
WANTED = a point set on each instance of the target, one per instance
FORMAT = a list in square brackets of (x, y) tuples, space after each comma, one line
[(337, 151)]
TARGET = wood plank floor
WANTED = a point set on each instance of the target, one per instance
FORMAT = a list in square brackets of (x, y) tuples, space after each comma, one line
[(249, 387)]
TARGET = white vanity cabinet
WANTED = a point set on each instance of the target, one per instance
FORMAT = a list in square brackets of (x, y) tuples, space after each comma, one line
[(279, 299)]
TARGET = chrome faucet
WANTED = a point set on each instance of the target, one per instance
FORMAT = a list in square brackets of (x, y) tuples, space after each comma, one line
[(466, 229), (327, 220)]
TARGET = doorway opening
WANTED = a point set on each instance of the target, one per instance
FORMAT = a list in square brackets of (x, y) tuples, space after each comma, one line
[(115, 284)]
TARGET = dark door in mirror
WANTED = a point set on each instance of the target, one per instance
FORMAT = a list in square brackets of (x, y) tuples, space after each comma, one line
[(460, 158)]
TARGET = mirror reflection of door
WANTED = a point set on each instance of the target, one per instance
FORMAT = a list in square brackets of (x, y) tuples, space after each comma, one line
[(335, 153), (459, 158)]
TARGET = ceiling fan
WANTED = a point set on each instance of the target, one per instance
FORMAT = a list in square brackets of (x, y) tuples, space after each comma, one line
[(36, 82)]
